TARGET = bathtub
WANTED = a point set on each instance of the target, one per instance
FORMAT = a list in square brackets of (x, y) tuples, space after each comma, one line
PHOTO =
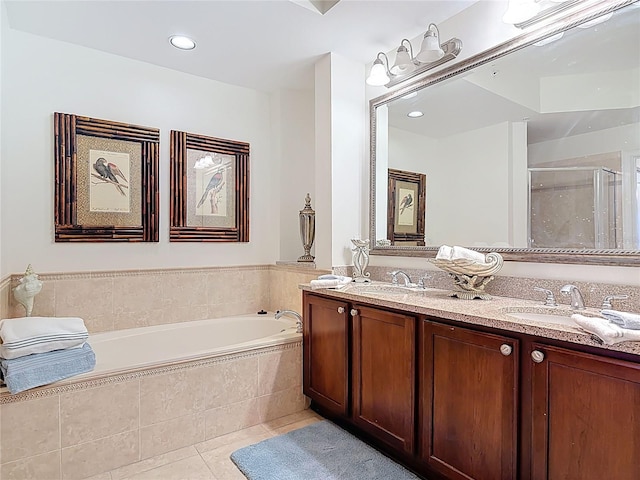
[(145, 347), (154, 390)]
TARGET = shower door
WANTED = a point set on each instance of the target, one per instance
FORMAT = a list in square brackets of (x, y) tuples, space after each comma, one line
[(574, 207)]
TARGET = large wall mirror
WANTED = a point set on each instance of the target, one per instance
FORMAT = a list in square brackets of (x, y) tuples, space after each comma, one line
[(531, 149)]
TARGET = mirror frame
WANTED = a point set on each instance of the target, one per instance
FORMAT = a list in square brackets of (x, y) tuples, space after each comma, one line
[(538, 255)]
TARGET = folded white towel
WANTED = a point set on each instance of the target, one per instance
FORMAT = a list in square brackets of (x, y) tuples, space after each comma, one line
[(338, 282), (27, 335), (608, 332), (444, 252), (623, 319), (467, 254)]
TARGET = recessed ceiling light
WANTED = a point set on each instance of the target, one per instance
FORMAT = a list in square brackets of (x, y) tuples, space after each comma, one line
[(415, 114), (182, 42)]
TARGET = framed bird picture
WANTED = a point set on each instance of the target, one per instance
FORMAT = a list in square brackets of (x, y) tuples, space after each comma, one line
[(106, 180), (209, 189), (406, 208)]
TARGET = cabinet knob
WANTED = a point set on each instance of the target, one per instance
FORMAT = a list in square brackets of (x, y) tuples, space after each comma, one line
[(340, 309), (537, 356), (354, 312), (506, 349)]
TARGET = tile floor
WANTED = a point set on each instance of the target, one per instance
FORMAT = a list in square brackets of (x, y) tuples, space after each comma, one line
[(208, 460)]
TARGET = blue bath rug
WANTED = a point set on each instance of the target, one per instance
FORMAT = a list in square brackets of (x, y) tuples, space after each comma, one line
[(320, 451)]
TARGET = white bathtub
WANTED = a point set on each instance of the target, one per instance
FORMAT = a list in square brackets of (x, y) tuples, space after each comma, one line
[(144, 347)]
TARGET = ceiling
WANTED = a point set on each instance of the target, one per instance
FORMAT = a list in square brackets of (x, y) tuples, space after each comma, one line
[(266, 45)]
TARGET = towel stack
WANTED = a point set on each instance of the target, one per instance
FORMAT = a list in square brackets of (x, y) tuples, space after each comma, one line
[(40, 350), (445, 252), (330, 281)]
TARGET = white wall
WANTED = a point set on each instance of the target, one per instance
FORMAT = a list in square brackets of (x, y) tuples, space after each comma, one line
[(3, 26), (480, 27), (294, 152), (42, 76)]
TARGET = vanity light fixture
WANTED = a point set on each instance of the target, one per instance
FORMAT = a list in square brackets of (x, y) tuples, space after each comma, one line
[(524, 13), (432, 53), (182, 42)]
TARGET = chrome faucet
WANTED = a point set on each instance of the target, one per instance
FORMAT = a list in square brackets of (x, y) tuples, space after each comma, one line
[(297, 316), (399, 273), (577, 302)]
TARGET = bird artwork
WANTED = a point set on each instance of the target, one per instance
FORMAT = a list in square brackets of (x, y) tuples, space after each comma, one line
[(106, 174), (213, 185), (406, 202), (116, 171)]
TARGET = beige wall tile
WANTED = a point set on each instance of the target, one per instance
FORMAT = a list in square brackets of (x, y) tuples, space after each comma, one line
[(88, 415), (88, 298), (284, 402), (137, 293), (92, 458), (184, 313), (40, 467), (163, 397), (29, 428), (231, 382), (184, 288), (171, 435), (231, 418), (43, 303), (246, 436), (5, 288), (279, 371)]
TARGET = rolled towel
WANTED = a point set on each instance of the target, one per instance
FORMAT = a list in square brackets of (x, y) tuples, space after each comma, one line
[(444, 253), (337, 282), (623, 319), (43, 368), (29, 335), (608, 332), (467, 254)]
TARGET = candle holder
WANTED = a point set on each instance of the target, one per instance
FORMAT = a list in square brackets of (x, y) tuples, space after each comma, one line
[(360, 260), (307, 230)]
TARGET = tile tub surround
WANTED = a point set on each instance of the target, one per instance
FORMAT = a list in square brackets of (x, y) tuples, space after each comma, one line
[(139, 298), (82, 429), (522, 287), (489, 313)]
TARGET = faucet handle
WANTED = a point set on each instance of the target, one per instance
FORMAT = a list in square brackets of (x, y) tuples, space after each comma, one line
[(394, 276), (606, 303), (421, 284), (550, 301)]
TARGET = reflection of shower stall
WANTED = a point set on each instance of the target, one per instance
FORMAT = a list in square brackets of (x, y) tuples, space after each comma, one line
[(575, 207)]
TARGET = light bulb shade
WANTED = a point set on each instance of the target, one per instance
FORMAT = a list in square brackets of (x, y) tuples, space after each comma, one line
[(520, 11), (404, 64), (378, 75), (430, 50)]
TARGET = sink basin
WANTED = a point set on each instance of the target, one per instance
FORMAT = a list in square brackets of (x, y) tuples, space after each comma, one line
[(544, 317), (534, 314), (382, 289)]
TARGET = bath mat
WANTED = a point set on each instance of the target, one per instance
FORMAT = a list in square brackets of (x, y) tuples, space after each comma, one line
[(320, 451)]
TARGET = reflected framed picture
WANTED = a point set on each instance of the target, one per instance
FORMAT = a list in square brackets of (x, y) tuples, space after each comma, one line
[(209, 189), (106, 180), (406, 208)]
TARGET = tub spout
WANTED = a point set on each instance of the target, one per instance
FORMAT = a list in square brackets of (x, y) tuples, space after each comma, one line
[(297, 316)]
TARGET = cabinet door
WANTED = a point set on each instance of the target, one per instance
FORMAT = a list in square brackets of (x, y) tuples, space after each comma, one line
[(586, 416), (468, 403), (384, 375), (326, 353)]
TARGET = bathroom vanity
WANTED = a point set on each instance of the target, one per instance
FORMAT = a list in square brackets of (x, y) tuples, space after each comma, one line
[(465, 389)]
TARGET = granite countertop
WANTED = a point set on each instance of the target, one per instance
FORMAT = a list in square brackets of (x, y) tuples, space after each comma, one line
[(490, 313)]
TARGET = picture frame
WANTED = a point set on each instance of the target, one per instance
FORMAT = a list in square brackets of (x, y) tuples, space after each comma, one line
[(106, 180), (209, 180), (406, 207)]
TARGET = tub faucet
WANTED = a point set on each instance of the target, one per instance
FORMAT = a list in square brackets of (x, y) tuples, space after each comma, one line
[(577, 302), (298, 317)]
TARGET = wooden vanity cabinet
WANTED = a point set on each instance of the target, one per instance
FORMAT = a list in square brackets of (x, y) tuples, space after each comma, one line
[(468, 402), (326, 360), (585, 416), (384, 375)]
